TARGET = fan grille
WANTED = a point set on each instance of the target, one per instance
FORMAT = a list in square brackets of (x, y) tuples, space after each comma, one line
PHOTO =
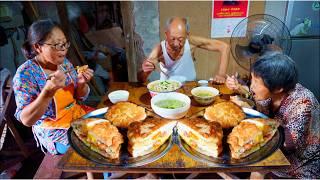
[(257, 29)]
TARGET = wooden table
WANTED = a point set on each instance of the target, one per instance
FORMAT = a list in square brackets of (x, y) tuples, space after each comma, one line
[(175, 161)]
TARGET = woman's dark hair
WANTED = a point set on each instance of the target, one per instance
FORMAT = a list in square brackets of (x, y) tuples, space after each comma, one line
[(37, 33), (277, 70)]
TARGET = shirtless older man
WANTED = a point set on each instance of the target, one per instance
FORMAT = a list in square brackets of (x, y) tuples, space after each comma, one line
[(175, 53)]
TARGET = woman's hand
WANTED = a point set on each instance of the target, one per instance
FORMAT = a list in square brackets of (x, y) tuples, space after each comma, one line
[(232, 83), (85, 76), (55, 81)]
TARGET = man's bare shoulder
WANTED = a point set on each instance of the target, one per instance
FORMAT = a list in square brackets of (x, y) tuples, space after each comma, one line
[(156, 54)]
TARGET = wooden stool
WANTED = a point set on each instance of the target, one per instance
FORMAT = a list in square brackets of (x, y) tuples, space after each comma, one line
[(7, 118), (48, 170)]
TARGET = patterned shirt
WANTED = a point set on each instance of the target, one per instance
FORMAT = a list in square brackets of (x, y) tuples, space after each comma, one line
[(28, 82), (299, 115)]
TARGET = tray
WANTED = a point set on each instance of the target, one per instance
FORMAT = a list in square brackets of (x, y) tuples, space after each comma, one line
[(125, 159), (225, 158)]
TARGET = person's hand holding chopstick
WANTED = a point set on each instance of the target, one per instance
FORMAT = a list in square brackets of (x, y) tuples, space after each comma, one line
[(233, 84), (149, 65), (54, 82)]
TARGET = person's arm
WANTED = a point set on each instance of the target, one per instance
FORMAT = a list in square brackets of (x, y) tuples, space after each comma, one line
[(300, 117), (214, 45), (148, 64), (32, 112)]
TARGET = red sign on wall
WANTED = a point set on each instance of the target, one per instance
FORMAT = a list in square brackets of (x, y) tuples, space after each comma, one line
[(229, 9)]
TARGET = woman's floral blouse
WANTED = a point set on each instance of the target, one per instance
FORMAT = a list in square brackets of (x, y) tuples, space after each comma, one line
[(28, 82), (299, 115)]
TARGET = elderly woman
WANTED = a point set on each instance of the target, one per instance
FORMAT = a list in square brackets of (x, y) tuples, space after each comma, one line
[(276, 92), (47, 86)]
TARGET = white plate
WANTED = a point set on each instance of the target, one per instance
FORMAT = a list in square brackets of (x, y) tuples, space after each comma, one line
[(95, 113), (253, 113)]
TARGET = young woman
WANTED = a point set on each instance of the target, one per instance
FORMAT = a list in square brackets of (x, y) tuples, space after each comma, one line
[(47, 86), (277, 93)]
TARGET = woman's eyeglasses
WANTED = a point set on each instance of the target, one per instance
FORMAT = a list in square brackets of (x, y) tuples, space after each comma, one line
[(59, 46)]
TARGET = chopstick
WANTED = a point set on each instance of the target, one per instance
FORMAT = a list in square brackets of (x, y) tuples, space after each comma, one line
[(65, 72), (70, 70)]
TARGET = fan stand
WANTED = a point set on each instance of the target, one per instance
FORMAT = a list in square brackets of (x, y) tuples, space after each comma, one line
[(251, 60)]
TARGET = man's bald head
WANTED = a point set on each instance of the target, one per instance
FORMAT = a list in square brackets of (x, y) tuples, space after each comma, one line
[(177, 31), (177, 23)]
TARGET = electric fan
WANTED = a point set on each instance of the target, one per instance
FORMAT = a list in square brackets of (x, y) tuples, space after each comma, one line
[(257, 34)]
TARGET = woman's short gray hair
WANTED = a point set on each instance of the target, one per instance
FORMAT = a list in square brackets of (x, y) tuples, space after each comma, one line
[(185, 20), (277, 70)]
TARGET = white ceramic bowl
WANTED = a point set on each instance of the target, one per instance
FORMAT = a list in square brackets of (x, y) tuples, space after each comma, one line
[(204, 100), (119, 95), (154, 92), (176, 113), (203, 83)]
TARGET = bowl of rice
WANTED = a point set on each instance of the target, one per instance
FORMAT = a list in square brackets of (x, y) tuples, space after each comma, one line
[(163, 86)]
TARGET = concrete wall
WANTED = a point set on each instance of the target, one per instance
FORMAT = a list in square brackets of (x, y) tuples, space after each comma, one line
[(146, 18), (7, 51), (147, 23), (277, 9)]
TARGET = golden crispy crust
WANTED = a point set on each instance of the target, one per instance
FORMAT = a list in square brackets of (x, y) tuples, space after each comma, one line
[(122, 114), (141, 129), (148, 135), (243, 133), (250, 135), (203, 127), (81, 69), (107, 133), (227, 113), (270, 126), (92, 132), (202, 135)]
